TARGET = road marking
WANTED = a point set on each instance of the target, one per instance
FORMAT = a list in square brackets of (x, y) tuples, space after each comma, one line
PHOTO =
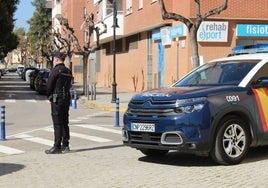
[(83, 136), (31, 100), (9, 150), (95, 127), (35, 139), (75, 120), (10, 100)]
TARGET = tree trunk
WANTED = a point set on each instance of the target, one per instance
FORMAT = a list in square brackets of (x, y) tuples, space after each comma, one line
[(85, 68), (194, 47)]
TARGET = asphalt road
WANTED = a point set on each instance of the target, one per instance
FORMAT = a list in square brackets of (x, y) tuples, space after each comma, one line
[(97, 157)]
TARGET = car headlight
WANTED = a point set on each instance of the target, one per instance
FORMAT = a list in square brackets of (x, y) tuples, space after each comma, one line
[(190, 105)]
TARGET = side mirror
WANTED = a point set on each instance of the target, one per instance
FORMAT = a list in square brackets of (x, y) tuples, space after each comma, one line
[(261, 82)]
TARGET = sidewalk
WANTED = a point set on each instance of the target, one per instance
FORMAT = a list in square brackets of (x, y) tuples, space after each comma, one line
[(104, 98)]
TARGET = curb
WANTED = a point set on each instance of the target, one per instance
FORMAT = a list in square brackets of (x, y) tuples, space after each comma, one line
[(102, 107)]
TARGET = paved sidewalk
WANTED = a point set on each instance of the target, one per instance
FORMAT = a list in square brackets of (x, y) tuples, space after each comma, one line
[(103, 99)]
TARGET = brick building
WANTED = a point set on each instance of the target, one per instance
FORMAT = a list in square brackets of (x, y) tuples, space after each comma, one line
[(151, 52)]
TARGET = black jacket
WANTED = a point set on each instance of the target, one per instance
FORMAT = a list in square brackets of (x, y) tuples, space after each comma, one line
[(59, 81)]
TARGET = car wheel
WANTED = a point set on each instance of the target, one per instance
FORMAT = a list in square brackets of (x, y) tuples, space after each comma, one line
[(153, 152), (232, 141)]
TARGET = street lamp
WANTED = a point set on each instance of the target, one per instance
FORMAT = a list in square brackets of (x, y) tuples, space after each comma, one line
[(114, 52)]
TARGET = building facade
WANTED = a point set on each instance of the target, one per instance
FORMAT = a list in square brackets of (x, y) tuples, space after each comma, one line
[(151, 52)]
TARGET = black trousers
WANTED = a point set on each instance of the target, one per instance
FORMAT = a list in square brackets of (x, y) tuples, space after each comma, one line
[(60, 118)]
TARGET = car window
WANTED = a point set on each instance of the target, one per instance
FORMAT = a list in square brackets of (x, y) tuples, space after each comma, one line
[(219, 73), (263, 72)]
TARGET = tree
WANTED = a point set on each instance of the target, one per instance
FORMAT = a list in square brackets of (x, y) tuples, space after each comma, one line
[(8, 40), (69, 42), (194, 24), (39, 35)]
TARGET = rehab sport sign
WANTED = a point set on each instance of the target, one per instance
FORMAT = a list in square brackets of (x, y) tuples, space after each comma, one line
[(212, 32)]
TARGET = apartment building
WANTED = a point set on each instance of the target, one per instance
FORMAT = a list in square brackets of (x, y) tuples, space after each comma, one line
[(151, 52)]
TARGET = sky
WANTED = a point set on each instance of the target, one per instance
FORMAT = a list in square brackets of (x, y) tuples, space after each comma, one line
[(24, 12)]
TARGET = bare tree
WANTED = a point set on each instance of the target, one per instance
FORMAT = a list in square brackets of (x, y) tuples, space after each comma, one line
[(70, 41), (192, 25)]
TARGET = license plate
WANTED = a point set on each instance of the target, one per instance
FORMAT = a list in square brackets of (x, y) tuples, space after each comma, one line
[(143, 127)]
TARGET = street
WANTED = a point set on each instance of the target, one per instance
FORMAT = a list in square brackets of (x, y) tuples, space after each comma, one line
[(97, 157)]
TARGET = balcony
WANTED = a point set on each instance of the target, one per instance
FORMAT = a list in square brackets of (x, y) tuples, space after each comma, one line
[(108, 20)]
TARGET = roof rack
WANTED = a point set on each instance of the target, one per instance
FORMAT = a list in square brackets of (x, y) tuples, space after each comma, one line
[(249, 49)]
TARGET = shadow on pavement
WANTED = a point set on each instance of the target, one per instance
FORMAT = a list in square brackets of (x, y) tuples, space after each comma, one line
[(7, 168), (177, 159), (96, 148)]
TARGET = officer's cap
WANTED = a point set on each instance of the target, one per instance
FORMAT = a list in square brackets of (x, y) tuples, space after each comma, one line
[(59, 55)]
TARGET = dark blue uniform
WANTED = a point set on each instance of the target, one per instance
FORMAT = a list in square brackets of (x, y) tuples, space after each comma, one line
[(58, 92)]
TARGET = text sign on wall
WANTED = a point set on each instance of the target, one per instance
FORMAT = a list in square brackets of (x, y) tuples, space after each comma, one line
[(252, 30), (212, 32)]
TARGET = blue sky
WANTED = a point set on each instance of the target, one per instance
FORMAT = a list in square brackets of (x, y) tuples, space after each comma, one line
[(24, 12)]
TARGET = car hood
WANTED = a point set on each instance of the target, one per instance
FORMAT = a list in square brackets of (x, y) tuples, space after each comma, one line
[(174, 93)]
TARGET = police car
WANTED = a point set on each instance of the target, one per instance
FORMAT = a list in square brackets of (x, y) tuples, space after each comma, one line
[(219, 109)]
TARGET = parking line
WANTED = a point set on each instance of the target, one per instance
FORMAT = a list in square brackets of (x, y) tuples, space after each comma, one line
[(83, 136), (98, 128), (35, 139), (9, 150)]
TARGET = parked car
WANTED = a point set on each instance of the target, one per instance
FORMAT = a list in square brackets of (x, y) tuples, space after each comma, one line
[(24, 73), (40, 82), (219, 109), (32, 77), (20, 69)]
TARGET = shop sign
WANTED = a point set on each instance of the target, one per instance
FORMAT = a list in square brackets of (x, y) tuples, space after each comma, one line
[(252, 30), (168, 33), (210, 31), (178, 31), (156, 34), (165, 35)]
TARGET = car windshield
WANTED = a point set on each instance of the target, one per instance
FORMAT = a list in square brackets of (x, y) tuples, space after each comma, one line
[(217, 73)]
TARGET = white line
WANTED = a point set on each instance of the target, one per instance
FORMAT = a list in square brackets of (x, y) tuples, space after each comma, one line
[(8, 150), (82, 118), (35, 139), (83, 136), (10, 100), (31, 100), (95, 127), (75, 120), (96, 114)]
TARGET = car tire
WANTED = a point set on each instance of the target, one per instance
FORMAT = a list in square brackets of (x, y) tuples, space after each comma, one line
[(232, 141), (153, 152)]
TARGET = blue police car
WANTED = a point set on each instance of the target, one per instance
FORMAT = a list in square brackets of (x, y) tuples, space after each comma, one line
[(219, 109)]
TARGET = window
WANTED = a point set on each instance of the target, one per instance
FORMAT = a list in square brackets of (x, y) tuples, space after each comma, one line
[(109, 7), (140, 4), (107, 48), (129, 7), (132, 42), (119, 45)]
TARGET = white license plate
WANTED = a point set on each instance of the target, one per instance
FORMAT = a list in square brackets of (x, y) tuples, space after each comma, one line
[(143, 127)]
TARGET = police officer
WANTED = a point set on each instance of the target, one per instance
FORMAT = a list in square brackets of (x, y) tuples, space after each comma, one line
[(58, 93)]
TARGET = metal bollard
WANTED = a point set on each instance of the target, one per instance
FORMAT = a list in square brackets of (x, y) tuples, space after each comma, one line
[(117, 113), (74, 100), (3, 124), (71, 100)]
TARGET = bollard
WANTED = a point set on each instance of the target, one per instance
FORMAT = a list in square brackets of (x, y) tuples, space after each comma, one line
[(117, 113), (71, 101), (74, 100), (3, 124)]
